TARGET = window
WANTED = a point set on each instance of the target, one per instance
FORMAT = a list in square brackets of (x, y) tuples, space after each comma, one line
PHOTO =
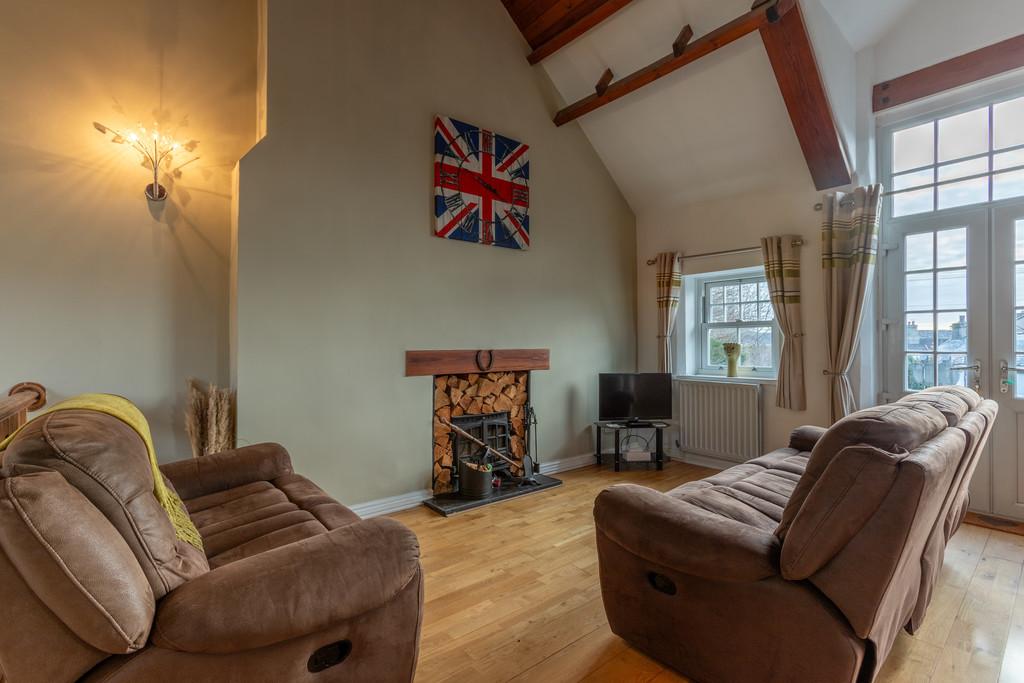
[(973, 157), (735, 308)]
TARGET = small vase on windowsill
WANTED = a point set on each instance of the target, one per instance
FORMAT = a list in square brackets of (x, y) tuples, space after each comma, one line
[(732, 355)]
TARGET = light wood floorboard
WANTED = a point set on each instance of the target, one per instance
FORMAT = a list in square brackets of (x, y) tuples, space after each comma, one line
[(512, 594)]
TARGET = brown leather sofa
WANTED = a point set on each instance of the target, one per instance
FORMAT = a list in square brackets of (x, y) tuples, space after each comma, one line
[(801, 565), (95, 585)]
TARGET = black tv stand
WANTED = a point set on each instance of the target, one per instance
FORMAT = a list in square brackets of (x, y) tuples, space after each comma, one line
[(658, 458)]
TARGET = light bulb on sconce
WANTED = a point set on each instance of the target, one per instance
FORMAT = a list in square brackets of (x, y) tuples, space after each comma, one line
[(156, 150)]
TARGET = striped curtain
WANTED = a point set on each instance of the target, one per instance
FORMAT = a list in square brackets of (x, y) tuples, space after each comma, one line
[(849, 248), (670, 281), (782, 270)]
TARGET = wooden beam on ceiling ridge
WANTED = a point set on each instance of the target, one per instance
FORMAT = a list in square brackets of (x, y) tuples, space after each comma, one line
[(796, 70), (576, 29), (753, 20)]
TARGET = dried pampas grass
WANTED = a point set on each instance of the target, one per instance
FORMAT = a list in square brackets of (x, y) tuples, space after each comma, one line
[(209, 418)]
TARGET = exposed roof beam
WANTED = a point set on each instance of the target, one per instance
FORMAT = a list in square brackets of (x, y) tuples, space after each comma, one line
[(694, 50), (952, 73), (574, 29), (796, 69)]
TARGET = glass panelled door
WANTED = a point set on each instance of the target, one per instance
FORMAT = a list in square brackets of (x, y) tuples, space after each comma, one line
[(1007, 440)]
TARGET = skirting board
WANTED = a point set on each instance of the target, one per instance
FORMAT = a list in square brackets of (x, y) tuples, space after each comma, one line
[(385, 506), (701, 460)]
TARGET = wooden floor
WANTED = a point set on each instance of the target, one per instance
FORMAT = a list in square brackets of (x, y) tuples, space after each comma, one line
[(512, 595)]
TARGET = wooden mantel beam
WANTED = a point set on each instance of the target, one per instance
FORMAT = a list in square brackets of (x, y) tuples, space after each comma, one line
[(576, 29), (796, 70), (694, 50)]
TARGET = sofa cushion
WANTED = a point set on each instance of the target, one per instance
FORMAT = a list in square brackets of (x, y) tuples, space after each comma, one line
[(108, 463), (950, 403), (75, 562), (754, 493), (256, 517), (893, 427)]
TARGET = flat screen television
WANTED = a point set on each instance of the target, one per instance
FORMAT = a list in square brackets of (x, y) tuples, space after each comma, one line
[(635, 397)]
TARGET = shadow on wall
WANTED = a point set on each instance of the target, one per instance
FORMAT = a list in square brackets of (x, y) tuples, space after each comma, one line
[(143, 285)]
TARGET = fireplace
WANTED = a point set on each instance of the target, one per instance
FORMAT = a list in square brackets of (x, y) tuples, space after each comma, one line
[(482, 425)]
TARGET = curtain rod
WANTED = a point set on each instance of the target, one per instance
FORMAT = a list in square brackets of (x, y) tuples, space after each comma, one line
[(744, 250)]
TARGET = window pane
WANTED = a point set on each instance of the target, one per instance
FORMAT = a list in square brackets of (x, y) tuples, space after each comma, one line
[(951, 289), (1008, 159), (1018, 388), (717, 294), (732, 312), (951, 248), (951, 332), (1018, 331), (1019, 285), (919, 292), (963, 135), (762, 291), (748, 291), (767, 312), (732, 294), (750, 312), (963, 193), (717, 337), (1019, 227), (946, 375), (919, 332), (717, 314), (962, 169), (920, 371), (756, 347), (1006, 185), (908, 203), (914, 179), (919, 251), (913, 147), (1009, 123)]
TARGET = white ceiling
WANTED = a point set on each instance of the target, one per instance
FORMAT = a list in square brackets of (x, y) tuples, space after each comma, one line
[(714, 128)]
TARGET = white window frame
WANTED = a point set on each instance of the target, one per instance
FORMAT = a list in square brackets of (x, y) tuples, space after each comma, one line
[(695, 332)]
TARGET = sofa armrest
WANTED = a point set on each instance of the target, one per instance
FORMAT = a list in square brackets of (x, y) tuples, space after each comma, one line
[(291, 591), (684, 537), (804, 438), (196, 477)]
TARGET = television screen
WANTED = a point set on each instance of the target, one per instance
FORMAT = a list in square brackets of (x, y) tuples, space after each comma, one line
[(635, 396)]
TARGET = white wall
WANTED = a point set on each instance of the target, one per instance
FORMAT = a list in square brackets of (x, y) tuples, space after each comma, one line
[(102, 292), (339, 273)]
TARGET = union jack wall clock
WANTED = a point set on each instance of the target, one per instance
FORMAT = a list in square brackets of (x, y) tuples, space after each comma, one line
[(481, 186)]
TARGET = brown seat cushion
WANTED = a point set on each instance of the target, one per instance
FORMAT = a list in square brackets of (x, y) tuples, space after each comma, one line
[(108, 463), (253, 518), (754, 493), (893, 427)]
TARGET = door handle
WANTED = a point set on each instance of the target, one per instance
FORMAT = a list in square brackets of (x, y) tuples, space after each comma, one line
[(1004, 376), (976, 367)]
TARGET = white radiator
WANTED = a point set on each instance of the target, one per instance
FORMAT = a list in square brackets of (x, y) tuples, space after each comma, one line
[(720, 419)]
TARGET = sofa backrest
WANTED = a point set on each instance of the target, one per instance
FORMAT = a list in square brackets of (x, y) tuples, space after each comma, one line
[(883, 489), (71, 589), (107, 461)]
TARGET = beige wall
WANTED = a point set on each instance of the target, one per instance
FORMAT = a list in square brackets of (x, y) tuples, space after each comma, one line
[(730, 224), (101, 293), (339, 273)]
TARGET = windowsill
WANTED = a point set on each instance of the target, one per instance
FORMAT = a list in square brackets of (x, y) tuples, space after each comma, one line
[(723, 378)]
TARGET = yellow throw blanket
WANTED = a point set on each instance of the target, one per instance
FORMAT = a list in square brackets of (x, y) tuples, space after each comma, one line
[(127, 412)]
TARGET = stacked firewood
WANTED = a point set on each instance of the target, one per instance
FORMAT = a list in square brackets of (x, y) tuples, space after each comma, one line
[(475, 394)]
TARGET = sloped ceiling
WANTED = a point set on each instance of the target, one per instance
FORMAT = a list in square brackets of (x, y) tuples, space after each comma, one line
[(719, 126)]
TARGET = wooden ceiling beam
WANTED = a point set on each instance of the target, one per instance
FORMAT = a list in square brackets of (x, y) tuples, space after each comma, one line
[(967, 68), (796, 70), (574, 29), (694, 50)]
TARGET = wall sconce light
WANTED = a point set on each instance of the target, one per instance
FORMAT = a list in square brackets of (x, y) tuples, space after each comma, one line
[(156, 150)]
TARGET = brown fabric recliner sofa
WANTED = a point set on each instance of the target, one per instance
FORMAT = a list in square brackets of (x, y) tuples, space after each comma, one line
[(803, 564), (95, 585)]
